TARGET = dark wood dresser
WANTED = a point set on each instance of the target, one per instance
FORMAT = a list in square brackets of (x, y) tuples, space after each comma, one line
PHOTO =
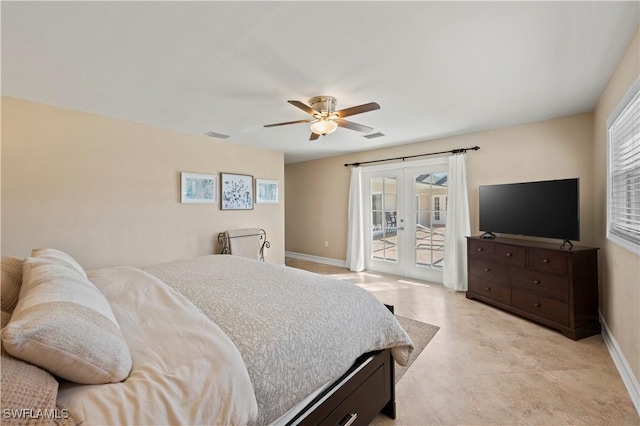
[(539, 281)]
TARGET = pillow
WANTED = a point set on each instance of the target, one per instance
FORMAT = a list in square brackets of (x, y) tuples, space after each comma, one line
[(64, 324), (66, 417), (5, 318), (11, 279), (26, 387), (60, 257)]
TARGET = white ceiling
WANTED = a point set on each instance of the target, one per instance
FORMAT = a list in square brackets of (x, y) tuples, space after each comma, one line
[(436, 68)]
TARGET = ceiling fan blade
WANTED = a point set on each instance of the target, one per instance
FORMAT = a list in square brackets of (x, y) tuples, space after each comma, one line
[(306, 108), (371, 106), (288, 122), (353, 126), (314, 136)]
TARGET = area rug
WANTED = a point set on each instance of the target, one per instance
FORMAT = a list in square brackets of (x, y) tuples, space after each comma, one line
[(421, 334)]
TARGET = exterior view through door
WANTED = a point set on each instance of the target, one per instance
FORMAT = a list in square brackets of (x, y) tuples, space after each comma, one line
[(405, 215)]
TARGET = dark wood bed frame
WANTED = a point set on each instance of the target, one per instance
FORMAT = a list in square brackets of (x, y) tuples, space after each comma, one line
[(366, 390)]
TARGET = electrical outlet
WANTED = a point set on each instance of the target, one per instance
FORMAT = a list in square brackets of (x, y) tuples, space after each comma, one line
[(326, 243)]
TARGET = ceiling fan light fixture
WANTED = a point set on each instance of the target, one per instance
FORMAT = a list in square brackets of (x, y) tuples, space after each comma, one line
[(324, 127), (325, 117)]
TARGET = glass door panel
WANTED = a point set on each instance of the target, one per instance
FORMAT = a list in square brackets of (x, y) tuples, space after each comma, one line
[(384, 205), (405, 220), (429, 194)]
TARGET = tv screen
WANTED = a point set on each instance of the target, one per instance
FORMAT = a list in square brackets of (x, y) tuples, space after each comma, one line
[(549, 209)]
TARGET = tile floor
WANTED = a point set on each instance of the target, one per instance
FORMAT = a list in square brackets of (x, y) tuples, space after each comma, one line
[(488, 367)]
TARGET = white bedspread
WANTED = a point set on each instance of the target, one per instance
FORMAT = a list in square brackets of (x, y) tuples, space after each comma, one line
[(227, 340), (296, 330), (185, 368)]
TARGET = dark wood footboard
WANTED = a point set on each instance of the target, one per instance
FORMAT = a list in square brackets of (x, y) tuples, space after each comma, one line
[(367, 389)]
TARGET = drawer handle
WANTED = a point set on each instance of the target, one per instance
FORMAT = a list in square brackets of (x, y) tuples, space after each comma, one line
[(487, 269), (536, 281), (480, 249), (348, 419), (509, 254), (545, 260), (537, 305)]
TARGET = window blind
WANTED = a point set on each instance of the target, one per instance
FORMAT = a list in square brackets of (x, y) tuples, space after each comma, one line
[(624, 171)]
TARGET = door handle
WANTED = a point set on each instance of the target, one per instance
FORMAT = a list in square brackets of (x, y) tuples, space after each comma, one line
[(401, 228)]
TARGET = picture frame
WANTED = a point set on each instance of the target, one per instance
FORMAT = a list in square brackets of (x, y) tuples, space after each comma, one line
[(198, 188), (236, 191), (267, 191)]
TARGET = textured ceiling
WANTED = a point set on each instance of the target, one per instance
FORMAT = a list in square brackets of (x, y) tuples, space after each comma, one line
[(436, 68)]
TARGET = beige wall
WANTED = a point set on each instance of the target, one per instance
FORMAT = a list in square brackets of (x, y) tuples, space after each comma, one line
[(108, 191), (317, 191), (619, 268)]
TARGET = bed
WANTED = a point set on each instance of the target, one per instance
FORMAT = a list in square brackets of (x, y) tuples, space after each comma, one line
[(222, 340)]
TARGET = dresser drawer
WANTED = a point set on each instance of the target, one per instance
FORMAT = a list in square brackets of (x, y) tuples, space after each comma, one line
[(489, 271), (481, 249), (549, 261), (511, 255), (542, 284), (540, 306), (363, 404), (492, 290)]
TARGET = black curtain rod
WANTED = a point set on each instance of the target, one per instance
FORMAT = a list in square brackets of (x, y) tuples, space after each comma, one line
[(453, 151)]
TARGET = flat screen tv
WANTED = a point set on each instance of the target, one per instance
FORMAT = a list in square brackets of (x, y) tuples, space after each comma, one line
[(548, 209)]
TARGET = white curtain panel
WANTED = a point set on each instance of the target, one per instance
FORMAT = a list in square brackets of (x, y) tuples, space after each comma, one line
[(355, 236), (458, 226)]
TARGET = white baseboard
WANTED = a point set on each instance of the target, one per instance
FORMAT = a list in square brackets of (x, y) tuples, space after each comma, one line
[(629, 379), (317, 259)]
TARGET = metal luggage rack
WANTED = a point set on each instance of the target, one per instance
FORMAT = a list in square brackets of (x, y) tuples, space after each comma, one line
[(223, 240)]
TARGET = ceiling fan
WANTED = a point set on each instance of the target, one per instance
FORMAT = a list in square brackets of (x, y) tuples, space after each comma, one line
[(325, 117)]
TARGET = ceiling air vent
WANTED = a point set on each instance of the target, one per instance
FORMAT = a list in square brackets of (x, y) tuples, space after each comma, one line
[(216, 135), (374, 135)]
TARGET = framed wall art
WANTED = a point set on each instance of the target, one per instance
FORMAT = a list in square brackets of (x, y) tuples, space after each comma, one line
[(236, 192), (198, 188), (267, 191)]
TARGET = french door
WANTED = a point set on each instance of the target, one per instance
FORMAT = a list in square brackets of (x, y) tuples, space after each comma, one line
[(405, 218)]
